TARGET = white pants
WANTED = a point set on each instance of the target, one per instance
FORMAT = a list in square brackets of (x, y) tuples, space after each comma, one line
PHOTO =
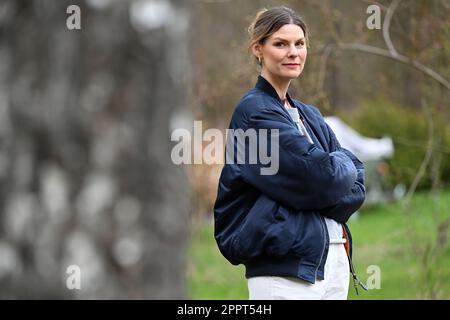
[(333, 287)]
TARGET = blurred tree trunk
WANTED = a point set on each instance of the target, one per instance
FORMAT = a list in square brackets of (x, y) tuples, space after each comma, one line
[(86, 177)]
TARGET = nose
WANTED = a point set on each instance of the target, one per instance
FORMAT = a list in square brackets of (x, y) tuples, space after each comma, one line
[(293, 51)]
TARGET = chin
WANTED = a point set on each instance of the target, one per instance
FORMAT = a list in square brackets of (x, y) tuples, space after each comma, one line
[(292, 75)]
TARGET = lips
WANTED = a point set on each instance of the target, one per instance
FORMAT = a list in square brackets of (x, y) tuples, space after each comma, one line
[(293, 66)]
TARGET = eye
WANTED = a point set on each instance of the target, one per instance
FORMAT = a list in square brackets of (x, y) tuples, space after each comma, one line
[(279, 44), (300, 44)]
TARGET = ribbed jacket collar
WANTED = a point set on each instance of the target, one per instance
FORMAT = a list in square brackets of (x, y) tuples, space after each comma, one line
[(264, 85)]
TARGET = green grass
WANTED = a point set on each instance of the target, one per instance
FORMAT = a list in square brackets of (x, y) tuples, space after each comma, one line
[(384, 235)]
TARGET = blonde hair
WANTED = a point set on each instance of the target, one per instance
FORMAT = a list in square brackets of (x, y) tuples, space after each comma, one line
[(269, 21)]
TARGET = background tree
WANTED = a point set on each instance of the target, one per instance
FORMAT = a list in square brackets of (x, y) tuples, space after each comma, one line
[(86, 177)]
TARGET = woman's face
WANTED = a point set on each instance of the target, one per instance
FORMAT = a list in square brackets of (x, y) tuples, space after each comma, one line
[(284, 53)]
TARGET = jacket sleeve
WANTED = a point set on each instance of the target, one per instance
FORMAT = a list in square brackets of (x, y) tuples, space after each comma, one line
[(307, 178), (354, 199)]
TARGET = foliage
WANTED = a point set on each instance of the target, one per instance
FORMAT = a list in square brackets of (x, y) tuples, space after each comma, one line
[(409, 131)]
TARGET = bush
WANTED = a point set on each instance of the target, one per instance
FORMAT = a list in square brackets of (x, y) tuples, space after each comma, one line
[(408, 129)]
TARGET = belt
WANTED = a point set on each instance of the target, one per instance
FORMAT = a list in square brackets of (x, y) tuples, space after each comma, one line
[(338, 241)]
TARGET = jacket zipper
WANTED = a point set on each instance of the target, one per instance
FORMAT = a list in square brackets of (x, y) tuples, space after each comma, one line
[(322, 219), (325, 232), (303, 120)]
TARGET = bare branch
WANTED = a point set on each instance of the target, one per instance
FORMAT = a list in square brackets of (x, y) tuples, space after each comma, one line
[(446, 4), (327, 11), (322, 67), (384, 8), (212, 1), (426, 160), (386, 26), (420, 144), (401, 58)]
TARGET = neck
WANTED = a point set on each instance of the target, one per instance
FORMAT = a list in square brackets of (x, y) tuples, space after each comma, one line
[(280, 85)]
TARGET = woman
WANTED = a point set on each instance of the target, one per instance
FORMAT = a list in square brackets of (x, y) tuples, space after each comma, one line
[(288, 228)]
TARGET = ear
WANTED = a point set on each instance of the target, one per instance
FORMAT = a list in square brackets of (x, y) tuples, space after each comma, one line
[(256, 49)]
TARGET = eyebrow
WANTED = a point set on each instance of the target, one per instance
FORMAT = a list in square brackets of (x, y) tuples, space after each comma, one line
[(277, 38)]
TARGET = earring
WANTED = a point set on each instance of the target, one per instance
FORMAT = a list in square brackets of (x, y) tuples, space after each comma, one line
[(259, 60)]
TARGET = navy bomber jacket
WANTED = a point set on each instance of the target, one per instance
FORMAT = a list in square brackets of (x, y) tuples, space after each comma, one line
[(274, 224)]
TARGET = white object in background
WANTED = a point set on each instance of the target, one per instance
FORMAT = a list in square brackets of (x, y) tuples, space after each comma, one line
[(366, 149)]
